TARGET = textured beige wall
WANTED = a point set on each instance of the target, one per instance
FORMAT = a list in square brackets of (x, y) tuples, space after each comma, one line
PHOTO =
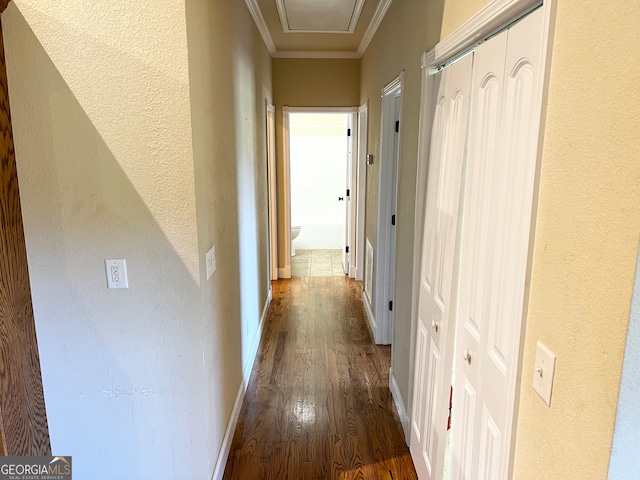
[(100, 100), (230, 82), (456, 12), (141, 135), (301, 82), (410, 28), (586, 239)]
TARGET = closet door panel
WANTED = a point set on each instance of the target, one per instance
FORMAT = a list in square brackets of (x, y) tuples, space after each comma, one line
[(478, 236), (433, 360), (503, 135)]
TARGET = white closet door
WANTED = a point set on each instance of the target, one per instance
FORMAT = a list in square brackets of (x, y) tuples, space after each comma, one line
[(433, 361), (501, 161)]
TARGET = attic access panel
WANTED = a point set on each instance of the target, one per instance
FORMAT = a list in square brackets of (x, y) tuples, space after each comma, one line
[(319, 16)]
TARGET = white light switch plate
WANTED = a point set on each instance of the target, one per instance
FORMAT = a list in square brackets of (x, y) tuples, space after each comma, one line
[(117, 273), (543, 371), (210, 258)]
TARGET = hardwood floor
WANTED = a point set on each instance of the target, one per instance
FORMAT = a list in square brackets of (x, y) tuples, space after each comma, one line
[(318, 404)]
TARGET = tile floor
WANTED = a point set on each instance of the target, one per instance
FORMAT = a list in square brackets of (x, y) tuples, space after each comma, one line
[(316, 263)]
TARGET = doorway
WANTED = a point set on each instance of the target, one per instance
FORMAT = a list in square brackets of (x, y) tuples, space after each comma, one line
[(319, 184)]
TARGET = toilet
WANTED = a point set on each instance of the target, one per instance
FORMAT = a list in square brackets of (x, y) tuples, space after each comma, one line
[(295, 231)]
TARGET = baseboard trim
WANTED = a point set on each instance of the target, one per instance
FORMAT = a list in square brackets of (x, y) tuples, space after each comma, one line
[(246, 371), (352, 271), (371, 321), (284, 272), (223, 456), (397, 399)]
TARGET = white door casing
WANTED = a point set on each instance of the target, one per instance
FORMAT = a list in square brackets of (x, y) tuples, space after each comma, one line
[(272, 188), (438, 270), (499, 190), (360, 192), (285, 272)]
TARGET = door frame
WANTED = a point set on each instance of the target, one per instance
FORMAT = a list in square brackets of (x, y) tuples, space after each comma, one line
[(285, 272), (384, 281), (494, 17), (361, 189), (272, 188)]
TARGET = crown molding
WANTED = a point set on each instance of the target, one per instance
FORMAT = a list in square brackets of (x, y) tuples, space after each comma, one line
[(255, 12), (315, 54), (378, 16)]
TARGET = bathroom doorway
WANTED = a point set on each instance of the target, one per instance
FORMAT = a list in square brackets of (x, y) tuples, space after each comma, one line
[(320, 156)]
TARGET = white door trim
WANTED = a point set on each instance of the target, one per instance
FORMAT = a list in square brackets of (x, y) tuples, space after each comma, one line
[(273, 197), (493, 17), (384, 278), (285, 272), (361, 189)]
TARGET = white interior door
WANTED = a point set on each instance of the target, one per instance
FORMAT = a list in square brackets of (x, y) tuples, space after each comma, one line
[(385, 253), (391, 242), (501, 160), (346, 196), (352, 194), (437, 279)]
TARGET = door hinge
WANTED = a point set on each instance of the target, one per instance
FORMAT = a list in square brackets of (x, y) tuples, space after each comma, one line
[(346, 249), (348, 132), (348, 192), (397, 126), (393, 219), (391, 305)]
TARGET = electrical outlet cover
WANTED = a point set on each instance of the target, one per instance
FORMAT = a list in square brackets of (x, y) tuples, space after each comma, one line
[(116, 270)]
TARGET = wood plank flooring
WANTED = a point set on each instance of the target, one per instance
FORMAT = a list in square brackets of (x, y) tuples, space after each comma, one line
[(318, 404)]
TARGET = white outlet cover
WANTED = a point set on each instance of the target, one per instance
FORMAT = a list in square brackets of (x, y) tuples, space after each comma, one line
[(210, 261), (543, 371), (116, 270)]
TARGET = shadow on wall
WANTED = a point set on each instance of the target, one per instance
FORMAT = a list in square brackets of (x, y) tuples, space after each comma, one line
[(231, 199), (123, 375)]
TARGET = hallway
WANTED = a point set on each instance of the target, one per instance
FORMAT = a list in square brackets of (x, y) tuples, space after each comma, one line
[(318, 404)]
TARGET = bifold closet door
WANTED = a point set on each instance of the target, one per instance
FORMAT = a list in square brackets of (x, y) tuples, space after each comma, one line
[(499, 183), (433, 361)]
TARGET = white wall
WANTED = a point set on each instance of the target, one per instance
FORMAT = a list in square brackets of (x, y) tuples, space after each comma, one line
[(625, 458), (318, 149)]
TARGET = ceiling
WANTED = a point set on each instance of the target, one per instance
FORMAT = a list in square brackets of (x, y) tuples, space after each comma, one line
[(317, 28)]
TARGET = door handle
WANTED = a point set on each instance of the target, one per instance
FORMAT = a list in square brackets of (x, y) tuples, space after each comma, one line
[(340, 199), (435, 325), (467, 356)]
